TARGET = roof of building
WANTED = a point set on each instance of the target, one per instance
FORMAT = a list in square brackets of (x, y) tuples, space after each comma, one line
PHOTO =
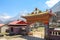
[(37, 12), (1, 25), (18, 22)]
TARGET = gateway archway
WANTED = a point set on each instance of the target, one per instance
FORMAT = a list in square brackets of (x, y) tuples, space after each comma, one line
[(38, 16)]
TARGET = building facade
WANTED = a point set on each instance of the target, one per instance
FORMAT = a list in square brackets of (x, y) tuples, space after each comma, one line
[(18, 27)]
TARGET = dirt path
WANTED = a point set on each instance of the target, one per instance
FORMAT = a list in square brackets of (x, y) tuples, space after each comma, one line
[(21, 38), (37, 35)]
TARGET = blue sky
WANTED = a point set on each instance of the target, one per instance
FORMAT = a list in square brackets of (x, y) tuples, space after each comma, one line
[(11, 8)]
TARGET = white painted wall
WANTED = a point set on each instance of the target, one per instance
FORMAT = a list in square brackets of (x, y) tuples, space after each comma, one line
[(3, 29)]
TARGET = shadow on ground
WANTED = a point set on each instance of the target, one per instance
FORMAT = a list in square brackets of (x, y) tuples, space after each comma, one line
[(31, 38)]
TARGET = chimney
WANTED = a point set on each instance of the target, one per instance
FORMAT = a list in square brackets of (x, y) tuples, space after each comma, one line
[(17, 19)]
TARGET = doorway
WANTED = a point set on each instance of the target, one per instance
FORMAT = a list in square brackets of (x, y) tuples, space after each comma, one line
[(38, 29)]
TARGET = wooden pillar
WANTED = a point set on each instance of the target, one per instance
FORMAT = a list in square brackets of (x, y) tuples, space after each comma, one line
[(28, 29), (47, 31)]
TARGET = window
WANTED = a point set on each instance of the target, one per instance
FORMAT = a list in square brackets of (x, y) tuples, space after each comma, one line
[(11, 29), (58, 33), (7, 30), (50, 32)]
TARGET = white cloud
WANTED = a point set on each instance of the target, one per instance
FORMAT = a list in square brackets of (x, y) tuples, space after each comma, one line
[(4, 17), (51, 3), (23, 13)]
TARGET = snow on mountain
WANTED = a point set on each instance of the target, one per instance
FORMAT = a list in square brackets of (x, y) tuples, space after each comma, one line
[(56, 7), (4, 18)]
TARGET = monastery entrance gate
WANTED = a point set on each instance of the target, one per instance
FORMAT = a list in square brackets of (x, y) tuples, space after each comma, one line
[(38, 16)]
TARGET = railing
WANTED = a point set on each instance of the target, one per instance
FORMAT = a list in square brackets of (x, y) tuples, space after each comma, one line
[(54, 35), (54, 32)]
